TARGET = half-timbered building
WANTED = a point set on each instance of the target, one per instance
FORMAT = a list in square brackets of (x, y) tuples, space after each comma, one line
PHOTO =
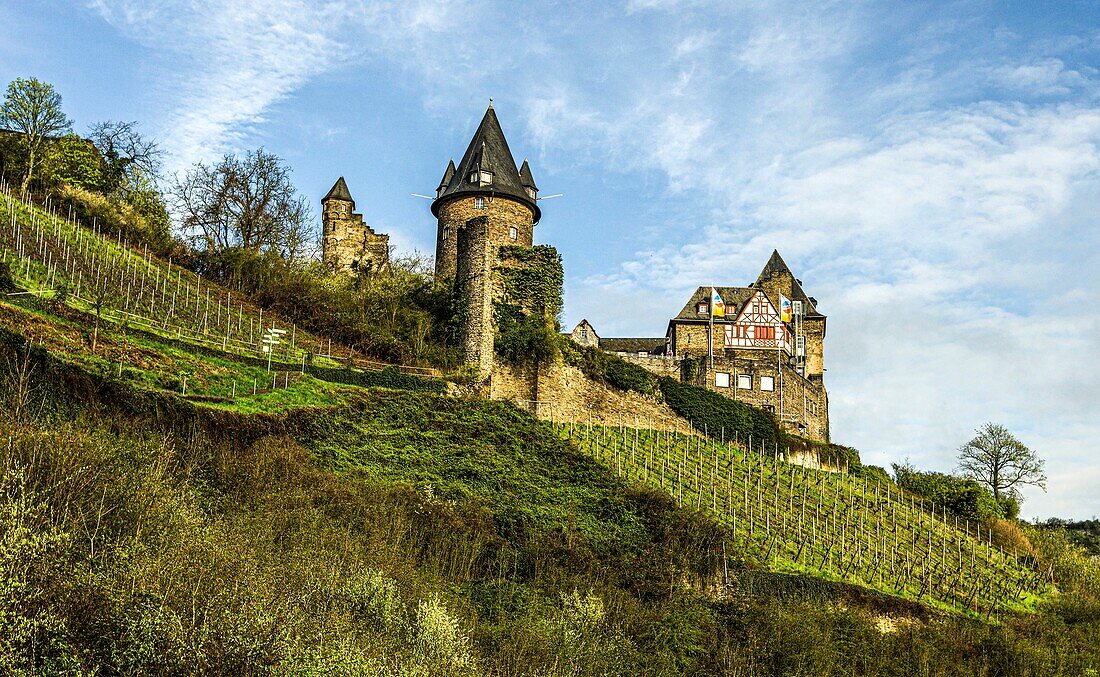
[(750, 351)]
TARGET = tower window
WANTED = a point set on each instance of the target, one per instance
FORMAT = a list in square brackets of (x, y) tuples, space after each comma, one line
[(531, 193), (479, 203), (513, 233), (446, 234)]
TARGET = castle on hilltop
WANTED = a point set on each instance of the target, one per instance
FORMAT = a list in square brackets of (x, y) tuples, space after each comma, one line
[(481, 205), (762, 344)]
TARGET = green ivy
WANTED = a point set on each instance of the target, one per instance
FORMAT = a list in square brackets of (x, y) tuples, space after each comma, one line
[(719, 416), (610, 369), (527, 317)]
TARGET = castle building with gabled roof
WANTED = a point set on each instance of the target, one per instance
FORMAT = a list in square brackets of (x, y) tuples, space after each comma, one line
[(765, 346)]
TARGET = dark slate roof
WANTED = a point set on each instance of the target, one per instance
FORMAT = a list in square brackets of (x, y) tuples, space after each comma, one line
[(447, 175), (735, 299), (488, 150), (777, 266), (339, 191), (633, 345), (525, 177)]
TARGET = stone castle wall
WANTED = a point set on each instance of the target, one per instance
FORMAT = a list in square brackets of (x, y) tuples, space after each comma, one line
[(566, 394), (501, 214), (658, 366), (348, 244)]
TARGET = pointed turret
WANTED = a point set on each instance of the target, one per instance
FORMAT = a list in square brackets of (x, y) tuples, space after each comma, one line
[(528, 181), (776, 278), (775, 266), (487, 168), (339, 191), (447, 176)]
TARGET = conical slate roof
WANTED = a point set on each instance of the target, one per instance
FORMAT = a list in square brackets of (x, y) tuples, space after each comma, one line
[(339, 191), (447, 175), (488, 151), (777, 266), (525, 177)]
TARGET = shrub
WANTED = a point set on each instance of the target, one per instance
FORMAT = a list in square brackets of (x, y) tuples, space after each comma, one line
[(1007, 534), (7, 279), (962, 496), (610, 369), (720, 416), (873, 473)]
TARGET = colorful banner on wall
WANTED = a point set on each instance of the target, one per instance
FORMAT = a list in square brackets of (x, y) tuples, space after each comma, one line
[(785, 312), (717, 306)]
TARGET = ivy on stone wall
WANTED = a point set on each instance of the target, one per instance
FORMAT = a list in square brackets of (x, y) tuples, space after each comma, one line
[(533, 278), (526, 317), (607, 368)]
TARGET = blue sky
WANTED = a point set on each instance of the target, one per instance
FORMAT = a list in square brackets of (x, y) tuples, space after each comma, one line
[(929, 170)]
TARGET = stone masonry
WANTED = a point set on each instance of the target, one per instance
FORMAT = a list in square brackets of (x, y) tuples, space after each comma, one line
[(502, 216), (348, 244)]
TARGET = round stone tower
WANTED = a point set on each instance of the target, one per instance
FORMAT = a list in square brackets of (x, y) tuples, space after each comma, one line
[(485, 186)]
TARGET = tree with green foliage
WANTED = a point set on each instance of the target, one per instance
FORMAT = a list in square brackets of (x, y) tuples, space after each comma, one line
[(998, 460), (246, 202), (33, 109), (73, 161)]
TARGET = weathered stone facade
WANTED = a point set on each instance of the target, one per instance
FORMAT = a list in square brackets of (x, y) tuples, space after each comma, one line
[(348, 244), (584, 334), (481, 205), (476, 286), (508, 222), (565, 394)]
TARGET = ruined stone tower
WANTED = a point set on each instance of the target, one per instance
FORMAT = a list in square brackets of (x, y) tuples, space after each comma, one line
[(348, 244), (481, 205)]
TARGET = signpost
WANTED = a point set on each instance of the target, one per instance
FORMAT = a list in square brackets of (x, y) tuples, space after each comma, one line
[(270, 340)]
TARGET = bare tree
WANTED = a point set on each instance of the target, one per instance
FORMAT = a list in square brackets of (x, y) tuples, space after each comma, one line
[(1001, 462), (33, 108), (127, 153), (19, 380), (244, 202)]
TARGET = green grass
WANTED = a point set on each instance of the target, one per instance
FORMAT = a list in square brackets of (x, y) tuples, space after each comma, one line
[(788, 518), (141, 290)]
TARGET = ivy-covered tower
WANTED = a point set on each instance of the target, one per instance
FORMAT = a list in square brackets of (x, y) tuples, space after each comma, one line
[(486, 183), (481, 205)]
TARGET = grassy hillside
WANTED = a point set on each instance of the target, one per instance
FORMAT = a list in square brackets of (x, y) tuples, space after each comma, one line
[(157, 516), (409, 533), (58, 259)]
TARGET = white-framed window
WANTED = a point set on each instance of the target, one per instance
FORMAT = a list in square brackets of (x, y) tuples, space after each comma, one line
[(486, 178), (531, 193), (767, 383), (446, 234), (744, 381), (513, 234), (701, 307), (621, 353), (721, 379), (479, 203), (643, 353)]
